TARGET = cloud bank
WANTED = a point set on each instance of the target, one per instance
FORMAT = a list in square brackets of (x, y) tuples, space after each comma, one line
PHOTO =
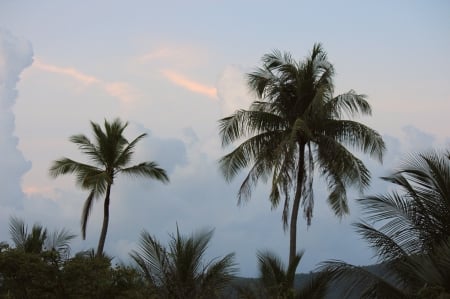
[(15, 55)]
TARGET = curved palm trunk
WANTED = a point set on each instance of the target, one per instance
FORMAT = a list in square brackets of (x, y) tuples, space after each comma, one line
[(101, 242), (296, 205)]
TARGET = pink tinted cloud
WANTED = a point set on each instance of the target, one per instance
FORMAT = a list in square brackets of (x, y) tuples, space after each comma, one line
[(121, 90), (189, 84), (157, 54), (65, 71), (178, 55), (47, 192)]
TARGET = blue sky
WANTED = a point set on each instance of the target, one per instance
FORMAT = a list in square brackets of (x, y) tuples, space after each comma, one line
[(172, 69)]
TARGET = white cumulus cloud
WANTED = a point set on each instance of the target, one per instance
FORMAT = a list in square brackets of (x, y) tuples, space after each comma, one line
[(232, 90), (15, 55)]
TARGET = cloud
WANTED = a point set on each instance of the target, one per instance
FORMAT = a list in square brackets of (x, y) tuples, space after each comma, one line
[(169, 153), (158, 54), (74, 73), (36, 190), (189, 84), (417, 139), (120, 90), (176, 55), (232, 90), (174, 61), (15, 55)]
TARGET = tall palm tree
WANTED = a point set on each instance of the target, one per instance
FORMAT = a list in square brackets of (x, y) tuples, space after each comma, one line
[(410, 231), (110, 153), (277, 282), (178, 270), (296, 125)]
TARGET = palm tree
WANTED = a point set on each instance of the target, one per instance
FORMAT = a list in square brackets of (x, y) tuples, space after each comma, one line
[(296, 125), (410, 232), (38, 239), (111, 154), (276, 282), (178, 270)]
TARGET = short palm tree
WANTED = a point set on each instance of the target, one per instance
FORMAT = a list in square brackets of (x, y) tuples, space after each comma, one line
[(276, 281), (111, 154), (410, 232), (38, 239), (295, 126), (178, 271)]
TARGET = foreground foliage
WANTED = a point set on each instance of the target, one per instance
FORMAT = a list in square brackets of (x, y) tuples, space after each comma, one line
[(38, 266)]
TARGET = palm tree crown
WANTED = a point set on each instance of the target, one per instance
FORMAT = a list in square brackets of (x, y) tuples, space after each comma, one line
[(296, 125), (110, 154), (38, 239), (178, 270)]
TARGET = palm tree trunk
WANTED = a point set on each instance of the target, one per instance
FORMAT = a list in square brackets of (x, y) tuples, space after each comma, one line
[(296, 204), (101, 242)]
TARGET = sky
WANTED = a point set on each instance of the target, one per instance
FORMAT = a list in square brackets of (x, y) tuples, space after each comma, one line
[(172, 69)]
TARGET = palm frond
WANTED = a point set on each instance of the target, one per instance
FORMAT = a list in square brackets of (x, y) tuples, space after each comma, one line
[(397, 218), (338, 162), (337, 199), (432, 269), (350, 103), (87, 207), (361, 282), (357, 136), (409, 232), (68, 166), (85, 173), (272, 273), (88, 148), (260, 170), (316, 288), (217, 276), (18, 231), (387, 248), (147, 169), (125, 155), (260, 147), (307, 185), (59, 241), (151, 258), (29, 241), (418, 212), (259, 80), (275, 279), (247, 122)]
